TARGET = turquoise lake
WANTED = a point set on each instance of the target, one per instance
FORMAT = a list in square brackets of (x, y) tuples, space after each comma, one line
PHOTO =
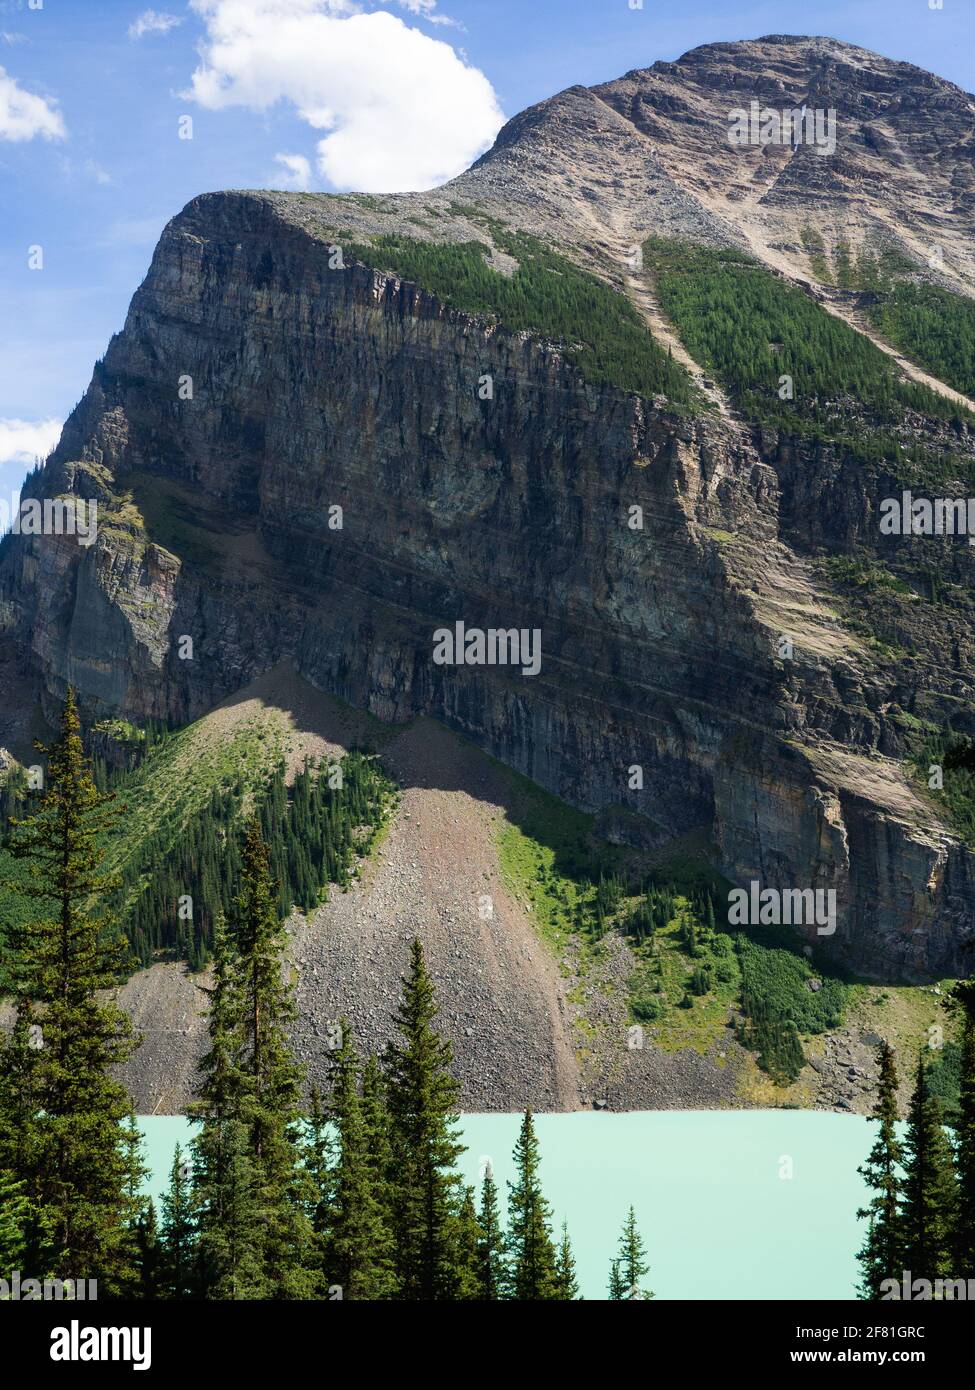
[(732, 1204)]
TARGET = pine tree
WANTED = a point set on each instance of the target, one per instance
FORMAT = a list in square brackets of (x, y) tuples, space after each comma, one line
[(19, 1138), (930, 1187), (177, 1233), (468, 1242), (881, 1256), (13, 1222), (320, 1165), (632, 1259), (565, 1268), (422, 1095), (359, 1244), (80, 1164), (271, 1080), (491, 1264), (617, 1284), (375, 1118), (530, 1246), (223, 1179), (963, 1002), (147, 1252)]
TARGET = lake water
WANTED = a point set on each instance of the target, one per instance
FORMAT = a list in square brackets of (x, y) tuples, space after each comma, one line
[(732, 1204)]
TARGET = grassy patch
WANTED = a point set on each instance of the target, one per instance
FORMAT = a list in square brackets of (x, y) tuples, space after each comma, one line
[(551, 858)]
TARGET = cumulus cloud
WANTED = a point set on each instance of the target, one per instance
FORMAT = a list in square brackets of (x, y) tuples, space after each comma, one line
[(295, 172), (24, 115), (21, 441), (402, 110), (153, 22)]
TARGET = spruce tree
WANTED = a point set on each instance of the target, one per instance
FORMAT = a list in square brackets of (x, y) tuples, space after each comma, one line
[(270, 1079), (881, 1255), (963, 1002), (19, 1137), (491, 1263), (320, 1166), (565, 1268), (13, 1222), (530, 1247), (468, 1241), (177, 1233), (375, 1118), (224, 1197), (617, 1284), (80, 1167), (422, 1097), (632, 1259), (147, 1252), (930, 1187), (359, 1244)]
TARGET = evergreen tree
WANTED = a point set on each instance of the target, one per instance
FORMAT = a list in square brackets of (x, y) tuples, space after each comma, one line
[(13, 1223), (468, 1242), (632, 1259), (177, 1234), (565, 1268), (963, 1001), (19, 1138), (422, 1096), (148, 1252), (881, 1256), (530, 1246), (359, 1245), (270, 1080), (617, 1284), (930, 1187), (223, 1179), (491, 1265), (375, 1119), (79, 1164), (320, 1166)]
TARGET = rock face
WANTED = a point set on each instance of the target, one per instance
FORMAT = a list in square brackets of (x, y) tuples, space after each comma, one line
[(262, 381)]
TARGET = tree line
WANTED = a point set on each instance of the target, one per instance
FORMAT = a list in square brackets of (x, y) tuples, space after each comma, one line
[(171, 888), (921, 1214), (357, 1197)]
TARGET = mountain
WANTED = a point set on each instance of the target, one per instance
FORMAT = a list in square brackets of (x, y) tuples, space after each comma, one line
[(487, 380)]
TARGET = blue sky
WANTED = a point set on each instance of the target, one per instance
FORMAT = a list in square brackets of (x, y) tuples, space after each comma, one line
[(325, 94)]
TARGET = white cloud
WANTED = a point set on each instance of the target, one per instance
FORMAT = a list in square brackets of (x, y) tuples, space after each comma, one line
[(153, 22), (295, 172), (24, 115), (424, 9), (402, 109), (94, 170), (21, 441)]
